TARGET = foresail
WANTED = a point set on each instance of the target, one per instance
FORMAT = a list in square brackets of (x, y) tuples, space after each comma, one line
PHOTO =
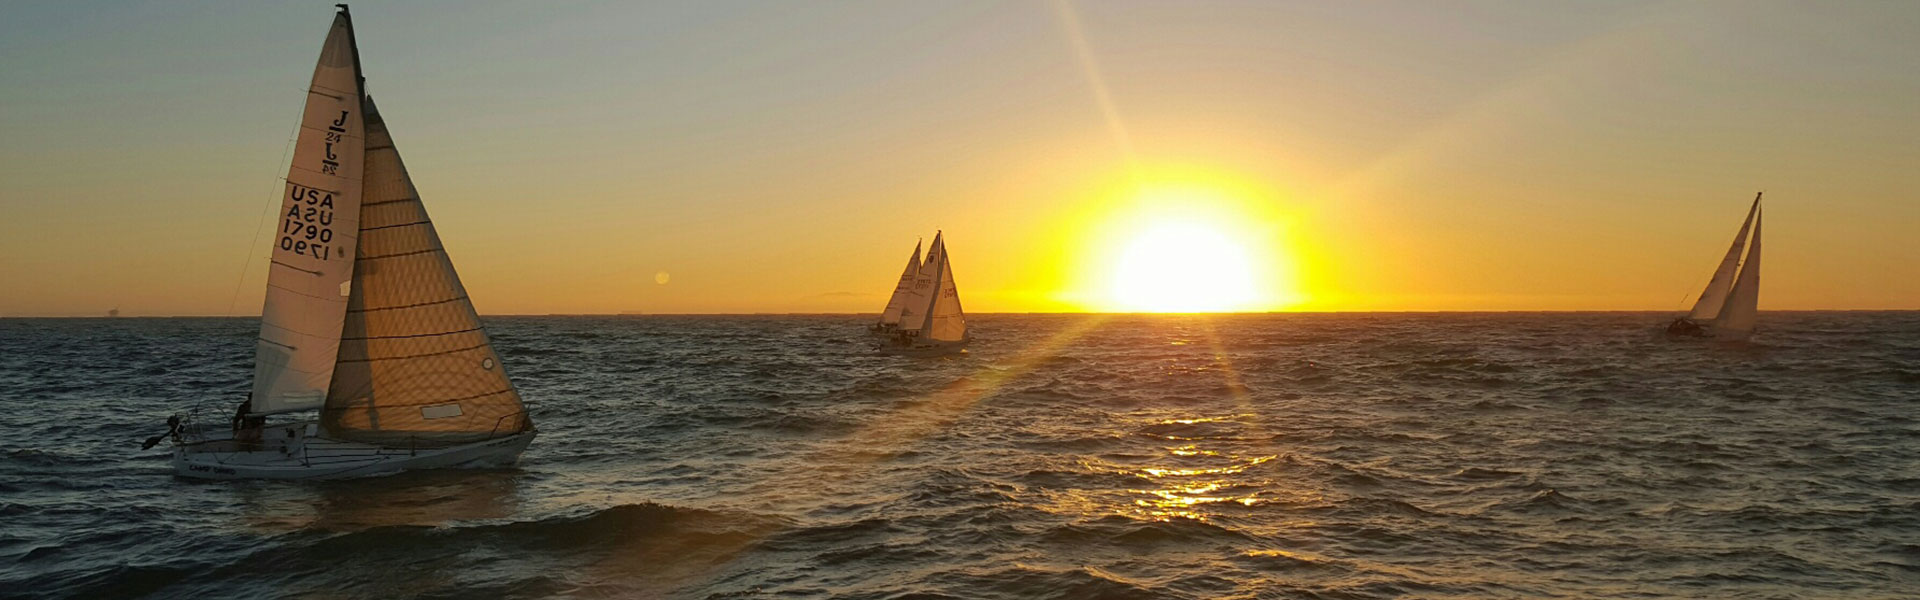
[(314, 242), (415, 365), (891, 316), (947, 322), (914, 307), (1715, 296), (1743, 303)]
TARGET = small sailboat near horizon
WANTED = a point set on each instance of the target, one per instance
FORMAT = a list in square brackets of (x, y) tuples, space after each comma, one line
[(1729, 306), (365, 324), (931, 321)]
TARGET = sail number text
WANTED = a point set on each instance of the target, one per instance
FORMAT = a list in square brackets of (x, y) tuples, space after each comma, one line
[(307, 226)]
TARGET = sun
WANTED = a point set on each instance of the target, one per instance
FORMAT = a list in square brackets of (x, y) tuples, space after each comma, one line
[(1183, 267), (1184, 240)]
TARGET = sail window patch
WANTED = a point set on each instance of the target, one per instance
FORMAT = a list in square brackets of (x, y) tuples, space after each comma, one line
[(440, 411)]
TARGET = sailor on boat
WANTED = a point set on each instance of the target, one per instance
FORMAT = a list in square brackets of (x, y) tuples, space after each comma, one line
[(247, 426)]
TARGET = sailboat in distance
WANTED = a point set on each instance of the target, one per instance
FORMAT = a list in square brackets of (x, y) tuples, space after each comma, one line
[(1729, 306), (931, 321), (366, 326), (890, 317)]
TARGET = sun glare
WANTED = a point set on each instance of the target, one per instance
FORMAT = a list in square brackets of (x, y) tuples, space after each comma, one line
[(1183, 267), (1183, 239)]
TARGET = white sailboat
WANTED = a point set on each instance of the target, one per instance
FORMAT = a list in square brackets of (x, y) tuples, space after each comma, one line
[(365, 324), (890, 317), (1729, 306), (931, 321)]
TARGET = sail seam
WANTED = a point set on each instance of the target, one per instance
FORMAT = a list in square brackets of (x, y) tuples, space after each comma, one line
[(298, 292), (371, 359), (298, 268), (296, 331), (400, 254), (366, 204), (367, 310), (313, 88), (384, 405), (393, 226), (416, 335), (317, 189), (322, 174)]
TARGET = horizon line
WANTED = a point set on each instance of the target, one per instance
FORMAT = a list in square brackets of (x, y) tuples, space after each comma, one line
[(1111, 313)]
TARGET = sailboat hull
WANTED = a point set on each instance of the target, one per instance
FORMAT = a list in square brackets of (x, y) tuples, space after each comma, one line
[(293, 451), (894, 347), (1686, 328)]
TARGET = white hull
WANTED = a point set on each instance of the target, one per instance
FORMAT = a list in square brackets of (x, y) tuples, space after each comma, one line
[(293, 451)]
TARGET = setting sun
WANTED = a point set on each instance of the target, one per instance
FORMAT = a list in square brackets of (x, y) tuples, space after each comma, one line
[(1182, 267), (1189, 241)]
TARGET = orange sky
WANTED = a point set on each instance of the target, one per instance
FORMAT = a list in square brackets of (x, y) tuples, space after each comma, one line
[(785, 158)]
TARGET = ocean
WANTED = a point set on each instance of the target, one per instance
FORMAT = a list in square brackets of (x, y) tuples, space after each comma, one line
[(1467, 455)]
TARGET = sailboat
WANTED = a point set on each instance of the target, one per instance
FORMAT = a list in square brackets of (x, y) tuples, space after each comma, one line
[(366, 328), (1729, 306), (931, 321), (890, 317)]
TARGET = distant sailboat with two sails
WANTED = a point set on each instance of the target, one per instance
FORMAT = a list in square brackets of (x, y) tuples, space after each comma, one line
[(365, 322), (923, 317), (1730, 305)]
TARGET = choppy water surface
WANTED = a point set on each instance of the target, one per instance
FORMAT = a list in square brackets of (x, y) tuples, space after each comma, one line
[(1311, 456)]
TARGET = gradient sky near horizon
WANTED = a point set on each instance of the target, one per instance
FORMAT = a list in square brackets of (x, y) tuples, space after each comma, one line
[(785, 156)]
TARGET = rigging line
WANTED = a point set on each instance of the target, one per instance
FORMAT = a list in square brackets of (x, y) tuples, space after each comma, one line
[(292, 136)]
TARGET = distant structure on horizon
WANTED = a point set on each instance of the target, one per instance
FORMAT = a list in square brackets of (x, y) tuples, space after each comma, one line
[(113, 312)]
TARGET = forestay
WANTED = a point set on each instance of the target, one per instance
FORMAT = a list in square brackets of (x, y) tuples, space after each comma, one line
[(415, 365), (309, 275), (1715, 296)]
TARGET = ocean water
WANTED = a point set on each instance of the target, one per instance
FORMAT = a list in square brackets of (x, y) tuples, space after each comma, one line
[(1066, 456)]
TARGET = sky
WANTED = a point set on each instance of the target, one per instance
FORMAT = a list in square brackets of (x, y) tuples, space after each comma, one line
[(738, 157)]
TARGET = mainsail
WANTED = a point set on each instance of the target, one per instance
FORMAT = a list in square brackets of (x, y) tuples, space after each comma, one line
[(1714, 297), (415, 365), (891, 316), (1743, 303), (314, 245), (945, 321)]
